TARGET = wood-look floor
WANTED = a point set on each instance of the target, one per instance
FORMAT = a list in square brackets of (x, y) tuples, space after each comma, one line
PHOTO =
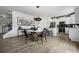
[(1, 43), (59, 44)]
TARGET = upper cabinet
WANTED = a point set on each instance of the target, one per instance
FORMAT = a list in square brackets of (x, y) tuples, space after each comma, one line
[(77, 15)]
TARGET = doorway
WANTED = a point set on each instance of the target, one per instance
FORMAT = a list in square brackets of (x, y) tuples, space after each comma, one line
[(62, 27)]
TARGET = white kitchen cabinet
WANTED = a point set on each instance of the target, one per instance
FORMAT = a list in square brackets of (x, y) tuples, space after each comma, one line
[(74, 34)]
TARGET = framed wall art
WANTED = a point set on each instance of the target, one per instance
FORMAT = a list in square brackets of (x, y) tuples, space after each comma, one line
[(20, 20), (24, 22)]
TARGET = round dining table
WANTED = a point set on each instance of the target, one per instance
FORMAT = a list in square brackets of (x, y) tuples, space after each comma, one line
[(34, 33)]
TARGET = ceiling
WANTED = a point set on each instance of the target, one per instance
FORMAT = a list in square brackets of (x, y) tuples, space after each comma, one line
[(44, 11)]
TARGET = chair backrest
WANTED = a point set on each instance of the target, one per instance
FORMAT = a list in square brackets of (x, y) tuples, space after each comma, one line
[(25, 32), (44, 33)]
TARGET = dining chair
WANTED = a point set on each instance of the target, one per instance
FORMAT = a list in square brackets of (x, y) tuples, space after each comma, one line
[(50, 32), (43, 34), (27, 35)]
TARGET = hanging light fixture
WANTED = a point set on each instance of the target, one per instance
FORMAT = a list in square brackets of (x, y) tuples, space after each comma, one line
[(37, 6), (38, 19)]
